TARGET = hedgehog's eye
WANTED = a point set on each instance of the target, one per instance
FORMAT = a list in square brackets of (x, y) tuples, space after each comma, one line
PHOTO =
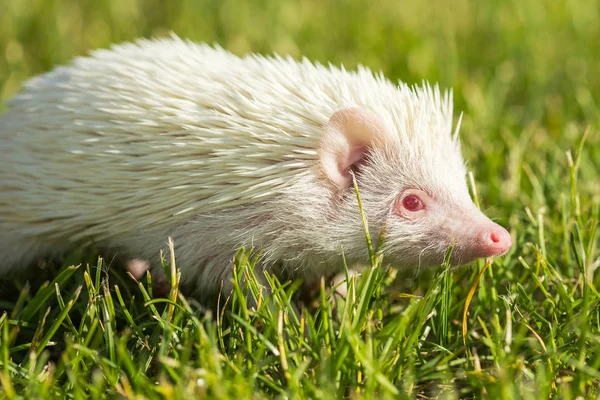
[(410, 202), (413, 203)]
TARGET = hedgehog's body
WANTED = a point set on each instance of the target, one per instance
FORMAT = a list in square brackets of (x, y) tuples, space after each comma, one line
[(167, 138)]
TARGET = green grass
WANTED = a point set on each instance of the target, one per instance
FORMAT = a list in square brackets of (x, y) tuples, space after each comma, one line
[(525, 74)]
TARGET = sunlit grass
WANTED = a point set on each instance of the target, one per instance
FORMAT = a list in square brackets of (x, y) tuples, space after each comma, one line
[(525, 75)]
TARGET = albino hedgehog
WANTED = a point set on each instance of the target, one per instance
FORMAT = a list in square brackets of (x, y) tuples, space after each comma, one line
[(166, 138)]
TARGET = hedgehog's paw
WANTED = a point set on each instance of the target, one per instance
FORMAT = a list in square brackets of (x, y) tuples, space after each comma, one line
[(137, 267)]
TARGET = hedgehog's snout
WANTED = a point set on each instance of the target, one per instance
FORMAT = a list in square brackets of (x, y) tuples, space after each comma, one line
[(494, 241), (480, 238)]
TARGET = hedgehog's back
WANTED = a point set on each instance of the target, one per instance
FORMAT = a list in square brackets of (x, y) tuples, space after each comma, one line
[(148, 134)]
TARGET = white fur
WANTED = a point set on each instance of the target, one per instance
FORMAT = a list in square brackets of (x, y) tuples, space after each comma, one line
[(166, 137)]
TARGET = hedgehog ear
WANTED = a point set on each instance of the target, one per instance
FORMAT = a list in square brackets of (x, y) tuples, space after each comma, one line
[(348, 137)]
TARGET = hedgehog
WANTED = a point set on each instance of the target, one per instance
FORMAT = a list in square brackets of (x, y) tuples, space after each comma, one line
[(166, 138)]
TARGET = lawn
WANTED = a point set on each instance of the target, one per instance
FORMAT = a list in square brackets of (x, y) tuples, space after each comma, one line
[(526, 76)]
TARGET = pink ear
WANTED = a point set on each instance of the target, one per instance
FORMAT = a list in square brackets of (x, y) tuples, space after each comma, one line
[(348, 136)]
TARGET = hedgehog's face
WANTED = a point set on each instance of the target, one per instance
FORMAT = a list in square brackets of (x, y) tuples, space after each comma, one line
[(421, 227), (420, 199)]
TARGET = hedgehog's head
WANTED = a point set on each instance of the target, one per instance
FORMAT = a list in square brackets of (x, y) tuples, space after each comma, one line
[(412, 183)]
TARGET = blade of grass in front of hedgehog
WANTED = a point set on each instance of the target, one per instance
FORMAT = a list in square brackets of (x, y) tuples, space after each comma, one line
[(520, 117), (45, 293), (40, 346)]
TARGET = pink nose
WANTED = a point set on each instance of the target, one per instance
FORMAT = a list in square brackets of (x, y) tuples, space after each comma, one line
[(495, 241)]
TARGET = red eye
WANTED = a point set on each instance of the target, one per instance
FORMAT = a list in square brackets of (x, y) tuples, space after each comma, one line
[(412, 203)]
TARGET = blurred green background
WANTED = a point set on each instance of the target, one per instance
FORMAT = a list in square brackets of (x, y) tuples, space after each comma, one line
[(526, 73)]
